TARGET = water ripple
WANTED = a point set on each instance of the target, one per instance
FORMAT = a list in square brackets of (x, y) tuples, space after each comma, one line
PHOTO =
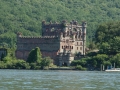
[(58, 80)]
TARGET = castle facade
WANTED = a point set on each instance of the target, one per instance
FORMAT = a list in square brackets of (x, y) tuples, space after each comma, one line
[(60, 41)]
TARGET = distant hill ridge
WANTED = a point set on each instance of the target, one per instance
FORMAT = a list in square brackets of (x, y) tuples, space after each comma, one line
[(26, 15)]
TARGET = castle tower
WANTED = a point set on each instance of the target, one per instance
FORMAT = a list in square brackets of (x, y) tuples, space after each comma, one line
[(84, 25), (60, 41)]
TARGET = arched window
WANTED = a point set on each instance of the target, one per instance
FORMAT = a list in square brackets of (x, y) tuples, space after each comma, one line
[(77, 48), (80, 43), (72, 47), (77, 43), (63, 34), (67, 33), (75, 36), (80, 48), (68, 47)]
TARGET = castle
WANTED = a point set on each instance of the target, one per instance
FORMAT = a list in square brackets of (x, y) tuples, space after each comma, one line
[(60, 41)]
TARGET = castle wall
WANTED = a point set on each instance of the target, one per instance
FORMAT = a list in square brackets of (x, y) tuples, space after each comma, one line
[(67, 46), (57, 40), (65, 59), (23, 54), (48, 46), (79, 46)]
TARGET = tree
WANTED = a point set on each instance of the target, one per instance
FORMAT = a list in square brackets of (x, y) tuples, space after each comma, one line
[(115, 44), (31, 56), (106, 31), (99, 59), (46, 62), (17, 16), (108, 37), (116, 59), (92, 46), (2, 56), (35, 56), (104, 48), (81, 62), (38, 55)]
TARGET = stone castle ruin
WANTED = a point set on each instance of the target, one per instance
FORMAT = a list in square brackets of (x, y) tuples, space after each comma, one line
[(60, 41)]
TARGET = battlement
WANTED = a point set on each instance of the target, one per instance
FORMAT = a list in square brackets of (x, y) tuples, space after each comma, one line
[(61, 24), (51, 25), (69, 54), (37, 37), (50, 29), (59, 41)]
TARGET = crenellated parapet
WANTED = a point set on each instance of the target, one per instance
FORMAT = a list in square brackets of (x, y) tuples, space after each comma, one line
[(68, 29), (52, 25), (42, 37), (84, 24), (65, 58), (67, 38), (60, 25), (19, 34)]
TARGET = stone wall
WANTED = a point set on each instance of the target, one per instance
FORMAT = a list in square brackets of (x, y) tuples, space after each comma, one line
[(49, 46), (66, 38)]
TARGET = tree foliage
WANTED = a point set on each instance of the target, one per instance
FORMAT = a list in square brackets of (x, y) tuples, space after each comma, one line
[(26, 16), (31, 56), (34, 61), (108, 37), (46, 62), (116, 59), (2, 56), (34, 56)]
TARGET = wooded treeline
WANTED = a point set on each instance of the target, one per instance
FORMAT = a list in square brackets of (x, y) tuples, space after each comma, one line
[(107, 41), (26, 15), (34, 61)]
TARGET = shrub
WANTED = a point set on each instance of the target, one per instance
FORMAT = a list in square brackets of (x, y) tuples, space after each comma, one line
[(79, 67)]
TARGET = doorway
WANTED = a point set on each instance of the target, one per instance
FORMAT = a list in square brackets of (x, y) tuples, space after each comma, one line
[(64, 64)]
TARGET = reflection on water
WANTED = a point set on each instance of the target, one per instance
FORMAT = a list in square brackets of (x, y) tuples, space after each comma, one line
[(58, 80)]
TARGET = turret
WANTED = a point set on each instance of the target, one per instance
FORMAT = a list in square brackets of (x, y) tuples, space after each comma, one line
[(43, 23), (61, 36), (84, 25), (73, 36), (19, 34)]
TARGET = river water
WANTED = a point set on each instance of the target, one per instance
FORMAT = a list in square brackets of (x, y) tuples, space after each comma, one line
[(58, 80)]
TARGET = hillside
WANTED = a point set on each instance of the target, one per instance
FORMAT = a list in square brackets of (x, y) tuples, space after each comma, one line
[(26, 15)]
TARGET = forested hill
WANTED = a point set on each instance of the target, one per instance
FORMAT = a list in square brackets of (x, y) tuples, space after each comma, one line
[(26, 15)]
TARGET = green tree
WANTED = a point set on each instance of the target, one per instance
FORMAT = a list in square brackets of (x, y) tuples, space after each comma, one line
[(46, 62), (108, 38), (26, 16), (31, 56), (92, 46), (104, 48), (38, 55), (99, 59), (116, 59), (2, 56), (115, 44), (81, 62), (35, 56)]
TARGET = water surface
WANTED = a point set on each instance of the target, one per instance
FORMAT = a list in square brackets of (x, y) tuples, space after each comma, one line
[(58, 80)]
